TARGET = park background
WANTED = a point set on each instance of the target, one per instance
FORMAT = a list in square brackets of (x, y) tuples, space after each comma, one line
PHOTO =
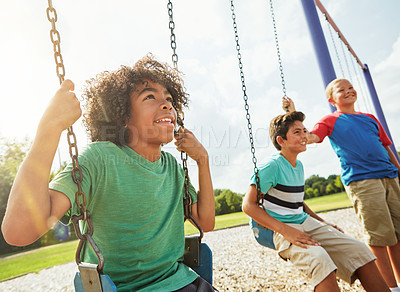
[(102, 35)]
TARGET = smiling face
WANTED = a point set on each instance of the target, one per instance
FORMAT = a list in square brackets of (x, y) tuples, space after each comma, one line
[(343, 96), (152, 116), (296, 138)]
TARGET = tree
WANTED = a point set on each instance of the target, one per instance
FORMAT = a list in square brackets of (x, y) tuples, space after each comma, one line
[(330, 189), (309, 193), (12, 155), (227, 202), (339, 184)]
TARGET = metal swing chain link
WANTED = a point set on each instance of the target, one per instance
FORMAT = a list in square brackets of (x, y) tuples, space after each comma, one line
[(334, 44), (187, 200), (173, 37), (260, 198), (77, 177), (277, 48)]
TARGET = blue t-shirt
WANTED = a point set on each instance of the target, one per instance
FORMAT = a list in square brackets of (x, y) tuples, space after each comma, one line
[(283, 186), (359, 141)]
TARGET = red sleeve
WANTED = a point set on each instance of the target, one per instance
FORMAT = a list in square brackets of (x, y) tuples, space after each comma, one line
[(325, 126), (383, 137)]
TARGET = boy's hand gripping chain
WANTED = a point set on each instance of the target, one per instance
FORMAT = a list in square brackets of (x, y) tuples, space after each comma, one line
[(80, 198), (187, 200)]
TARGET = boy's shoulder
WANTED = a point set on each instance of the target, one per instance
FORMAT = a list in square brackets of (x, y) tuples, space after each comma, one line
[(330, 118), (275, 162), (169, 157)]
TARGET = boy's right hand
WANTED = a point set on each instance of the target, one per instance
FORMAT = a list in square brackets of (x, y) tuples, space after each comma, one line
[(288, 104), (299, 238), (64, 108)]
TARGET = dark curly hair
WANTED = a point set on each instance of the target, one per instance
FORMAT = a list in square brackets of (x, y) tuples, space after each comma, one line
[(280, 126), (107, 97)]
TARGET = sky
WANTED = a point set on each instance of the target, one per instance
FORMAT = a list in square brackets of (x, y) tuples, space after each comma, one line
[(98, 35)]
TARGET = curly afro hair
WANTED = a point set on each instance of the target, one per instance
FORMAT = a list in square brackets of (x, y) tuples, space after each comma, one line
[(107, 97)]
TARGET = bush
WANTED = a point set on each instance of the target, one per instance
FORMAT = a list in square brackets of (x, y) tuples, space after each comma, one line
[(227, 202)]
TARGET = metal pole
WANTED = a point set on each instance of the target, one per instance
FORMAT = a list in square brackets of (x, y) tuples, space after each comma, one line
[(378, 108), (319, 42)]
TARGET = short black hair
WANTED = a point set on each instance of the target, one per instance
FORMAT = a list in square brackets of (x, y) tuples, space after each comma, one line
[(279, 126)]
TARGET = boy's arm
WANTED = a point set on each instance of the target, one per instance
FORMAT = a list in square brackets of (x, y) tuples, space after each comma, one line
[(203, 211), (32, 208), (313, 138), (315, 216), (288, 106), (251, 208)]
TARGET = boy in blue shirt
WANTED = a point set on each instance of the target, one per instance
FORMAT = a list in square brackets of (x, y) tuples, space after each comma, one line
[(134, 190), (369, 173), (317, 248)]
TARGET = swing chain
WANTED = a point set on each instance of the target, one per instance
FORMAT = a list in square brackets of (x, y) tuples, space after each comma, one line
[(77, 177), (55, 39), (187, 200), (277, 48), (172, 38), (260, 197)]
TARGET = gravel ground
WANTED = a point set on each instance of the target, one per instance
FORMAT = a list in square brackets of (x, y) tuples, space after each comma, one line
[(240, 264)]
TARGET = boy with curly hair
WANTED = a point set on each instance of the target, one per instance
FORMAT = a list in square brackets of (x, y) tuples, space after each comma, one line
[(134, 190), (369, 173), (317, 248)]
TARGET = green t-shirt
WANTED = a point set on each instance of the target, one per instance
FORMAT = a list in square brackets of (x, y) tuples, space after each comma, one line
[(136, 208)]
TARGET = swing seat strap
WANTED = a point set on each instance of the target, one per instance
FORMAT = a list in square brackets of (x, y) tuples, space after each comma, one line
[(88, 279), (198, 256), (191, 256)]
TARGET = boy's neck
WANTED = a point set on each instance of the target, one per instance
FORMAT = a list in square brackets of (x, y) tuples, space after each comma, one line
[(291, 157), (347, 109), (150, 152)]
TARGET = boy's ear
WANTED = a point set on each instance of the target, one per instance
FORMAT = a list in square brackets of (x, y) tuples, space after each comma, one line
[(280, 140), (331, 101)]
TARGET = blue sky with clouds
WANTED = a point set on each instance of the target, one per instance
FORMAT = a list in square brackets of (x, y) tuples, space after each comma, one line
[(102, 35)]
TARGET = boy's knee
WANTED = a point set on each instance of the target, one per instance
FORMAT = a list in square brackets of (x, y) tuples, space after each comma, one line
[(317, 264)]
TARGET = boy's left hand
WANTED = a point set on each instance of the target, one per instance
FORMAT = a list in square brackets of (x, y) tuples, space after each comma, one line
[(186, 141), (288, 104)]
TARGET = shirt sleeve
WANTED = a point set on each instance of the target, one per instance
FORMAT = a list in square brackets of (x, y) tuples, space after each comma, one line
[(383, 137), (64, 183), (324, 127), (267, 175)]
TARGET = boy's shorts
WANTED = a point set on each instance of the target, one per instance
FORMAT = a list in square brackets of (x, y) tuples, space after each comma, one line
[(338, 252), (377, 205)]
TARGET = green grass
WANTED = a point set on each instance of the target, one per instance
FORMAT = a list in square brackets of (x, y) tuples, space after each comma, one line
[(222, 221), (330, 202), (45, 257), (36, 260)]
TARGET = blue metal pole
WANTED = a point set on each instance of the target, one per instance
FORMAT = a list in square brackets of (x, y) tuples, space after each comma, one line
[(319, 42), (378, 108)]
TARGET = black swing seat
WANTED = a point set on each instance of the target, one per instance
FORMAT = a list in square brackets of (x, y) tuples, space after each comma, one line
[(198, 256)]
